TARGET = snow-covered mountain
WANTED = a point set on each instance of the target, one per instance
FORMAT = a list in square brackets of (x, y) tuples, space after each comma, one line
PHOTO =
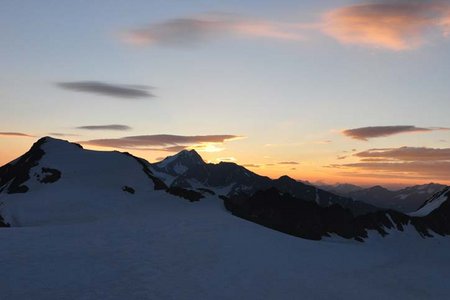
[(187, 169), (433, 203), (405, 200), (180, 163), (60, 182), (294, 207), (411, 198), (91, 224)]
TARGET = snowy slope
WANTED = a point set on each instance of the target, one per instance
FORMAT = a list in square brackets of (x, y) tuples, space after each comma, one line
[(90, 187), (433, 203), (169, 249), (82, 236)]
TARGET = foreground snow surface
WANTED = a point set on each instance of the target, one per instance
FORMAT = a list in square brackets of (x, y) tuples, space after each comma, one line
[(168, 248)]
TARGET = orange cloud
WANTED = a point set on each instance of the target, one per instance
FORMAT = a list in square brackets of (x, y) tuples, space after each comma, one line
[(403, 162), (394, 26), (397, 25), (445, 23), (265, 29), (203, 28)]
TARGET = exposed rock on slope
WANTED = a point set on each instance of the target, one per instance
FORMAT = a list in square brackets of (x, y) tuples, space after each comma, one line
[(306, 219)]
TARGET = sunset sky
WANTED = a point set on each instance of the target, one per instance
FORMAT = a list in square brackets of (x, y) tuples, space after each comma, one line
[(329, 91)]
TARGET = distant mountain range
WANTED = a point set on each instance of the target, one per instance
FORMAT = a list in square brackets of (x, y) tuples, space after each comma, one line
[(57, 182), (283, 212), (188, 170), (407, 199)]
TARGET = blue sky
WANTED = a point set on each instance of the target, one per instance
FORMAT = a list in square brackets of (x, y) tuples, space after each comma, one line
[(290, 98)]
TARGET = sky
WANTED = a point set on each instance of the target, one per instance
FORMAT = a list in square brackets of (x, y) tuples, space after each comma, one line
[(323, 91)]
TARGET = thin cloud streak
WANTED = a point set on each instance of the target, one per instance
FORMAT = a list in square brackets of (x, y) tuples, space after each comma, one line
[(61, 134), (15, 134), (251, 165), (288, 163), (194, 30), (116, 127), (366, 133), (122, 91), (383, 175), (407, 154), (430, 169), (177, 148), (226, 159), (164, 142), (403, 162)]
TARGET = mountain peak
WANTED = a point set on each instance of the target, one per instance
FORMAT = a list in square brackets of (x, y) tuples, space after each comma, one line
[(286, 178), (378, 188), (51, 142), (49, 138), (188, 156), (181, 161), (189, 153)]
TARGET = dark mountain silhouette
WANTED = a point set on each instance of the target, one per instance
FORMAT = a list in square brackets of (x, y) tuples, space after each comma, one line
[(16, 173), (53, 169), (306, 219), (188, 170), (405, 200), (342, 189)]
